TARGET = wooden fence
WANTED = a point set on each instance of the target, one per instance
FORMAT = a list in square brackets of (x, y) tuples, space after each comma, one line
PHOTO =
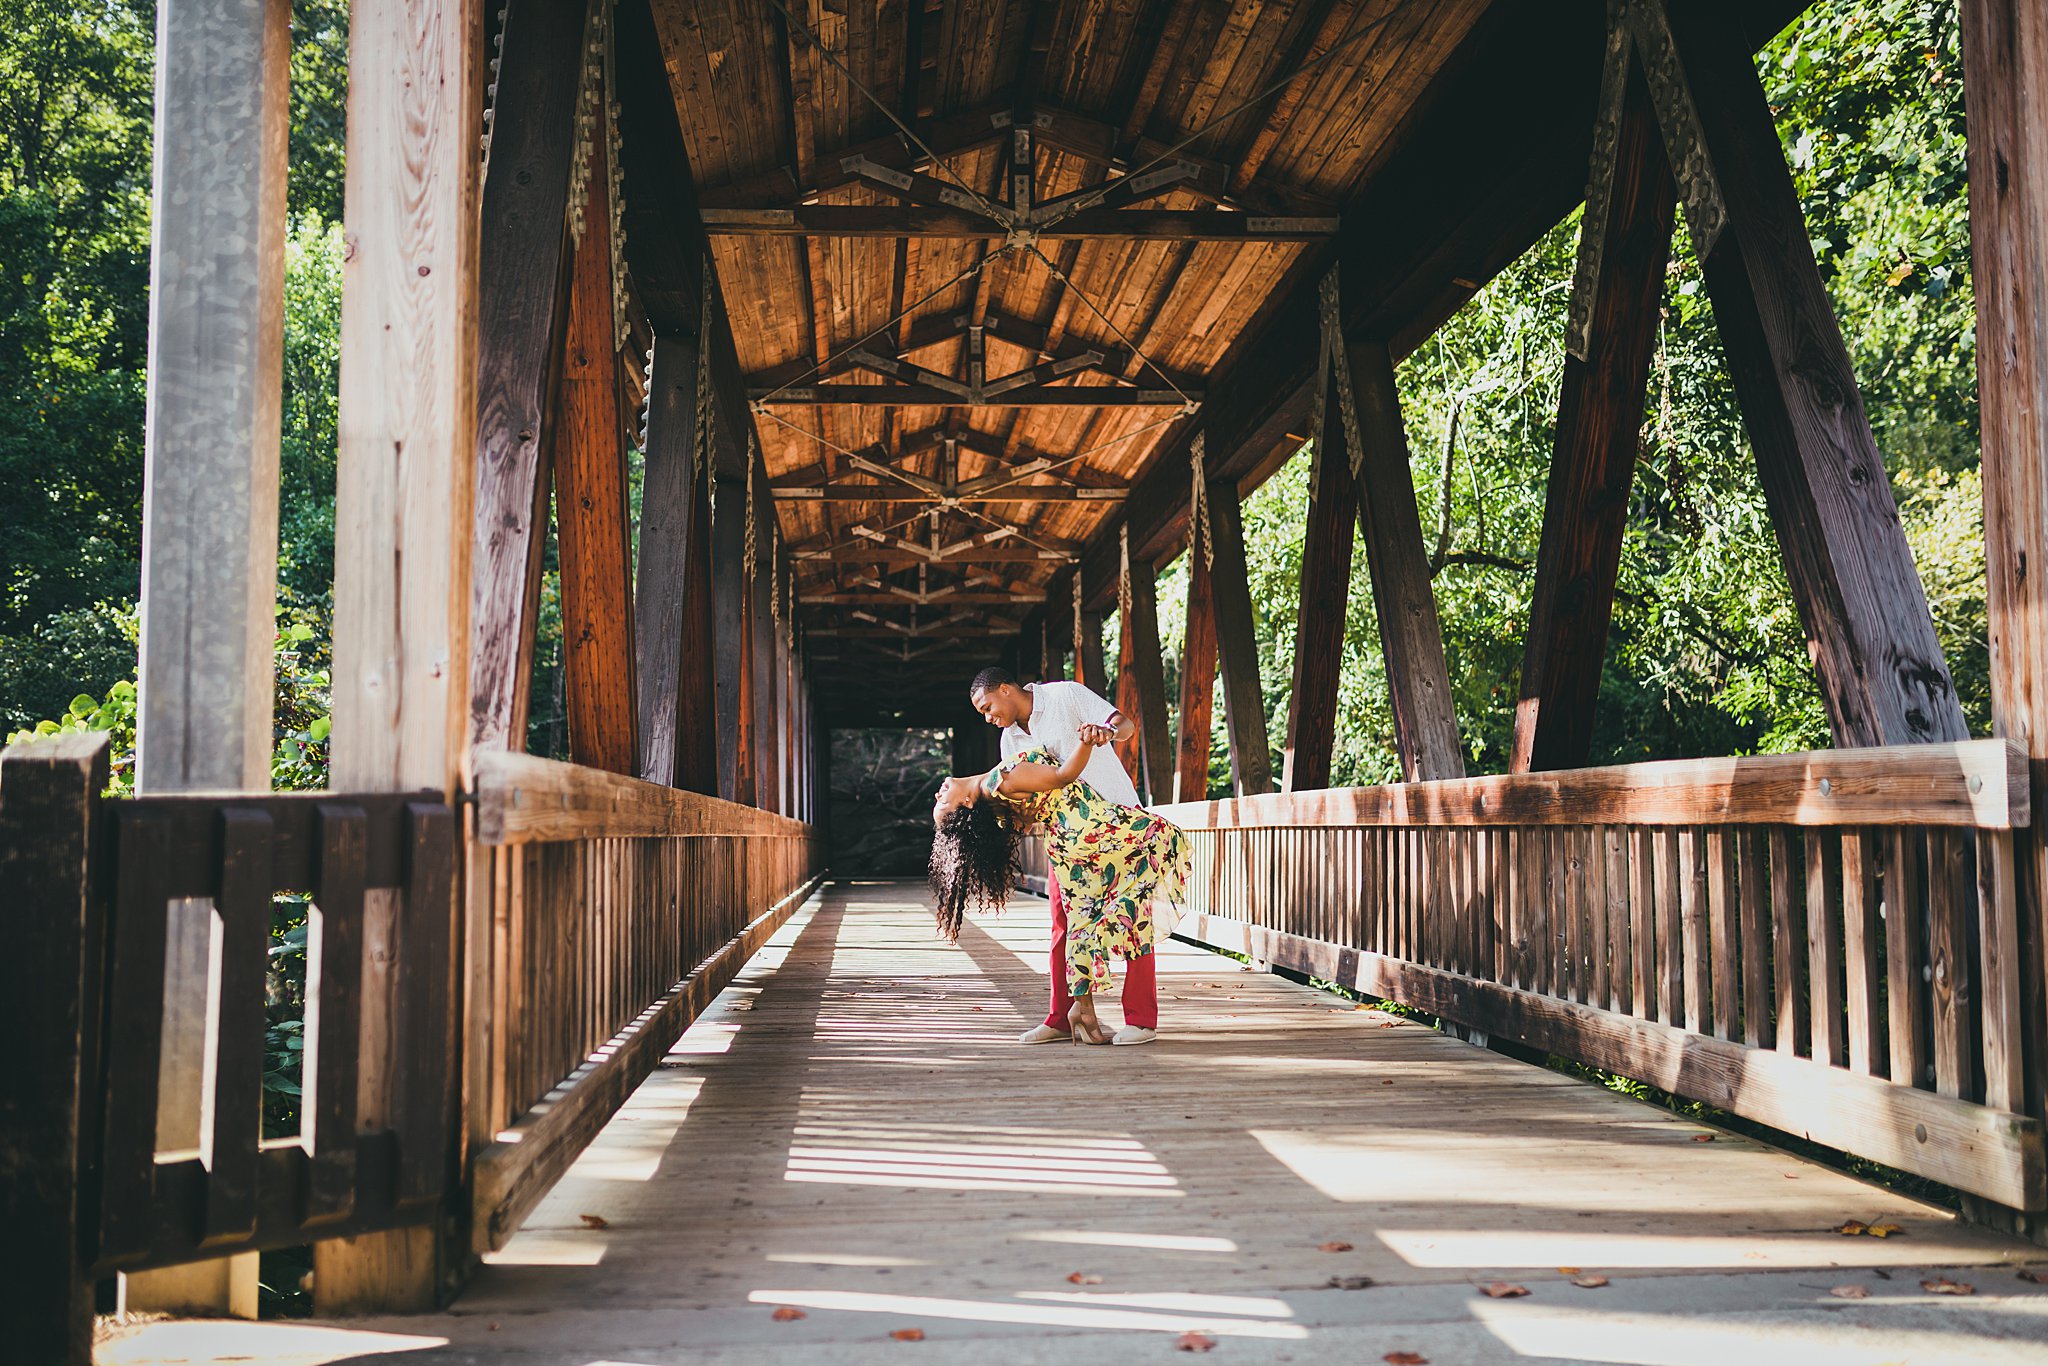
[(1826, 943), (605, 913), (87, 887)]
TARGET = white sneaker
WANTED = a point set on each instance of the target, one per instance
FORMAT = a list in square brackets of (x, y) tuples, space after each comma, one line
[(1044, 1033), (1134, 1034)]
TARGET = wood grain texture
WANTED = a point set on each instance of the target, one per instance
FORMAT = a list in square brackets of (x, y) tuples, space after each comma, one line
[(1418, 681), (50, 997), (1880, 666), (590, 505), (664, 555), (729, 625), (524, 799), (520, 317), (210, 479), (1237, 646), (1984, 1151), (1974, 784), (1600, 414), (1148, 672), (405, 479), (2005, 58), (1321, 617)]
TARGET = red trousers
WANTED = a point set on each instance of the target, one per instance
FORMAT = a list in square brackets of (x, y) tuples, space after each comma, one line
[(1141, 977)]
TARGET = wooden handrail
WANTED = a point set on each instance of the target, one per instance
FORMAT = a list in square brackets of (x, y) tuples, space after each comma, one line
[(524, 799), (1978, 784)]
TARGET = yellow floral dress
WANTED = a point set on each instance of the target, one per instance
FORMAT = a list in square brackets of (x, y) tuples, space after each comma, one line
[(1111, 861)]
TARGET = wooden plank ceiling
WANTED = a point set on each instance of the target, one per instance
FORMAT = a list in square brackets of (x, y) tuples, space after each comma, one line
[(907, 469)]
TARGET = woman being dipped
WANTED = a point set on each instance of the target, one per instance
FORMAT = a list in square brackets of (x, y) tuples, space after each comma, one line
[(1111, 861)]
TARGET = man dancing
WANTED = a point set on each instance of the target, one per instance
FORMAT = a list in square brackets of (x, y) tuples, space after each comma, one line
[(1051, 716)]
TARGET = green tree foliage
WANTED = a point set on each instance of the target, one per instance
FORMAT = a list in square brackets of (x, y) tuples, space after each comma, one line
[(74, 275), (1707, 654)]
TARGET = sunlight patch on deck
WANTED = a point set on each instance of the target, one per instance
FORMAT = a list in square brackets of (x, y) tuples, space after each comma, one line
[(972, 1157), (1150, 1242), (1657, 1339), (1039, 1315), (272, 1343)]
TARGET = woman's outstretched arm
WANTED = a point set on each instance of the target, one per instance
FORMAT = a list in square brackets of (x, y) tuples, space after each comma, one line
[(1044, 777)]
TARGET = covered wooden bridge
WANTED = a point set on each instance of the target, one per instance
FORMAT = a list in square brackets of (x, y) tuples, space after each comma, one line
[(936, 330)]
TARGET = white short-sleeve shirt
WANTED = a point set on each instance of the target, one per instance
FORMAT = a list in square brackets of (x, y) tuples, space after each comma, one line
[(1058, 711)]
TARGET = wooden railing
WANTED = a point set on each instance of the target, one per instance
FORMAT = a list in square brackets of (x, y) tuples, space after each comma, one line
[(86, 893), (605, 914), (1824, 943)]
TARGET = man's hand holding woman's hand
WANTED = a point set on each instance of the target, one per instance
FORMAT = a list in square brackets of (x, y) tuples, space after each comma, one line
[(1097, 735)]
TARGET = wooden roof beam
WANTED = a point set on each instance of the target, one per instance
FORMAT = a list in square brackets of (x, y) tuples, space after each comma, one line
[(1514, 111), (871, 491), (953, 135), (929, 396), (921, 221)]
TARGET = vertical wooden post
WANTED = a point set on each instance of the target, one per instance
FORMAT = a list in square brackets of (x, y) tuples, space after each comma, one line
[(1197, 684), (49, 1005), (1237, 645), (520, 314), (1090, 667), (1325, 601), (210, 489), (1622, 258), (590, 501), (1130, 753), (1880, 666), (1425, 720), (1030, 655), (2005, 54), (404, 499), (661, 598), (729, 625), (1148, 683), (761, 642)]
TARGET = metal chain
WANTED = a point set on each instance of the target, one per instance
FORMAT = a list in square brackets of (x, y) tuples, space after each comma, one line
[(646, 396), (753, 452), (1198, 532), (1123, 576), (1077, 625), (586, 117), (616, 197), (774, 573), (491, 97)]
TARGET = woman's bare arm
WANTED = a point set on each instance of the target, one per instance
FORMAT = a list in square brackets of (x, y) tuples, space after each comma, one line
[(1025, 778)]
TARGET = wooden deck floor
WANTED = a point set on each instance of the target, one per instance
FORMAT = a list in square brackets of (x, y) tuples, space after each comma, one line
[(853, 1132)]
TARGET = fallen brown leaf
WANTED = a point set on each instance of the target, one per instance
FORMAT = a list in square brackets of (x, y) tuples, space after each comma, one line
[(494, 1328), (1350, 1282), (1503, 1290), (1850, 1292), (1334, 1245), (788, 1314), (1703, 1138), (908, 1335), (1942, 1285), (1567, 1271), (1388, 1082), (1194, 1342), (1589, 1282), (1083, 1278), (594, 1221), (1405, 1359), (2036, 1277), (1883, 1230), (1849, 1228)]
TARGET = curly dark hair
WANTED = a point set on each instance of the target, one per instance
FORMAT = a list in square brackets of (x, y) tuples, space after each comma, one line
[(974, 863)]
